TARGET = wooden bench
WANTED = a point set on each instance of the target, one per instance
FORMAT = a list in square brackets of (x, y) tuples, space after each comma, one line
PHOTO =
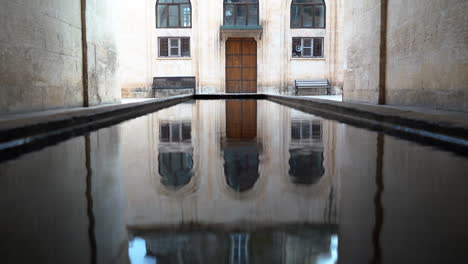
[(312, 87)]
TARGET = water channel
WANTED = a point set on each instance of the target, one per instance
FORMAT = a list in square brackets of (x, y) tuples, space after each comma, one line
[(239, 182)]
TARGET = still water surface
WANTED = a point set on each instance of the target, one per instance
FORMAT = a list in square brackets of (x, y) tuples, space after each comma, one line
[(234, 182)]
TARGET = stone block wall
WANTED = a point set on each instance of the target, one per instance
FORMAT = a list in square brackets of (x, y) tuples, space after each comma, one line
[(41, 54)]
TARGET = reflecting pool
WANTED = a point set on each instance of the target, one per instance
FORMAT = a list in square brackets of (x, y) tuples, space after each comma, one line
[(237, 181)]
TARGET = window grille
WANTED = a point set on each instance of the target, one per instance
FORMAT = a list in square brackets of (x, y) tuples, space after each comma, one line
[(174, 47), (307, 47)]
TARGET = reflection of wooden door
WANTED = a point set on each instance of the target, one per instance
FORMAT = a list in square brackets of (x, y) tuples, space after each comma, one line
[(241, 65), (241, 119)]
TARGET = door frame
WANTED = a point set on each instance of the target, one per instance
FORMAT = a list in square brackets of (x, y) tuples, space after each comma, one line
[(241, 80)]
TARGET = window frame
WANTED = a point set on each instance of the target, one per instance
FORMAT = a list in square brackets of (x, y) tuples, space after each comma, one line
[(179, 47), (179, 14), (246, 10), (170, 47), (312, 47), (302, 5)]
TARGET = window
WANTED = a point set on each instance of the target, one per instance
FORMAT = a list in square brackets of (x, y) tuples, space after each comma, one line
[(306, 130), (307, 48), (308, 14), (173, 14), (175, 132), (174, 47), (240, 12)]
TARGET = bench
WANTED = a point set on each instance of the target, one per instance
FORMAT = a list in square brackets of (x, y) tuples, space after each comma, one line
[(167, 86), (313, 87)]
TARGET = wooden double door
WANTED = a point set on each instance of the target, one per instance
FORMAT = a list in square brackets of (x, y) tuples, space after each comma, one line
[(241, 65)]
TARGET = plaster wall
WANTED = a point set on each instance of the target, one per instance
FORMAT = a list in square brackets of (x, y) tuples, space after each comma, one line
[(42, 54), (362, 37), (134, 45), (276, 69), (102, 27), (424, 53), (427, 55)]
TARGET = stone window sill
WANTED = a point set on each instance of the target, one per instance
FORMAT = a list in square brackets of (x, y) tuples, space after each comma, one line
[(174, 58), (308, 59)]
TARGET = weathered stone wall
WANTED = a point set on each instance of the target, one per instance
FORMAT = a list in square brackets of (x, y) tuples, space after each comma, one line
[(362, 37), (41, 54), (424, 52), (427, 54), (102, 26)]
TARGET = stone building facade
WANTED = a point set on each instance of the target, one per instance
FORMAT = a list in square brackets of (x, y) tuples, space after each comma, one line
[(207, 32)]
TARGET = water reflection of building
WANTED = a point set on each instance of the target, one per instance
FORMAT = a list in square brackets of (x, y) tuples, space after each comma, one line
[(175, 153), (288, 245), (241, 152), (306, 150)]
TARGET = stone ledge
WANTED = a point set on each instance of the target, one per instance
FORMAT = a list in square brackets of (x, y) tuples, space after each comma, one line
[(444, 129), (28, 132)]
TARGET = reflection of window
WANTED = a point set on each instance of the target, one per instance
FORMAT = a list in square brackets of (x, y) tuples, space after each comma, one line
[(175, 153), (306, 130), (308, 14), (175, 132), (241, 164), (240, 12), (175, 168), (306, 152), (173, 14), (306, 166), (174, 47), (307, 48), (239, 248)]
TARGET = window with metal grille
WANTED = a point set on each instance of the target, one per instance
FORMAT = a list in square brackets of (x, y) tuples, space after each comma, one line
[(173, 14), (308, 14), (307, 47), (174, 47), (241, 12)]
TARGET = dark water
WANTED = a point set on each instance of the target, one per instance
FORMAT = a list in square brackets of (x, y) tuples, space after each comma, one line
[(234, 182)]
